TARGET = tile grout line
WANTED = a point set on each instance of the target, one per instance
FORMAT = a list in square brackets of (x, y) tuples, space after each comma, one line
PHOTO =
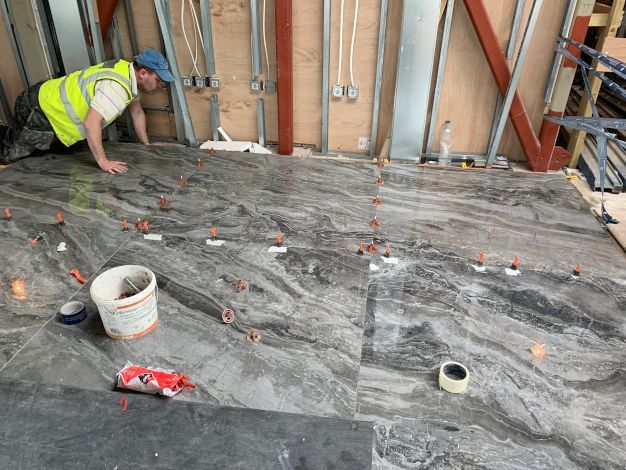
[(67, 300), (82, 286)]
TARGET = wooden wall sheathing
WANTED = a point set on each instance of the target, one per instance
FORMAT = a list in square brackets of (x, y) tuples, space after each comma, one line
[(468, 94)]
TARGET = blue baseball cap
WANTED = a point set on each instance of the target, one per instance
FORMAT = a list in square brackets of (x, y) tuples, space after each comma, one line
[(154, 60)]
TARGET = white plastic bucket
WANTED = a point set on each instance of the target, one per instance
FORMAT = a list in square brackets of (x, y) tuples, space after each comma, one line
[(130, 317)]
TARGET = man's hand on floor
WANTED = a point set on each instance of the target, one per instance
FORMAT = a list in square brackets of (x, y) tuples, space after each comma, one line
[(113, 167)]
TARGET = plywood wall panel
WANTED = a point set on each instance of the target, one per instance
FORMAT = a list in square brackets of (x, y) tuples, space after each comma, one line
[(351, 119), (468, 93), (9, 73)]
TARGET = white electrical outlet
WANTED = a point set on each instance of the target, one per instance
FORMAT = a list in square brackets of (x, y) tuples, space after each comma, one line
[(338, 91), (353, 92), (364, 143)]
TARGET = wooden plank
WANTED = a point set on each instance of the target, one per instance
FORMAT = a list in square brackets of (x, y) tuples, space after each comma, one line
[(615, 47), (599, 20), (577, 138)]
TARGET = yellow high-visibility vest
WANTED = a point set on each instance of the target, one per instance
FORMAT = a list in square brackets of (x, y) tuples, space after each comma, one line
[(65, 100)]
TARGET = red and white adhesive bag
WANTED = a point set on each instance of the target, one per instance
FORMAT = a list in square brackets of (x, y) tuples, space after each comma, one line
[(147, 380)]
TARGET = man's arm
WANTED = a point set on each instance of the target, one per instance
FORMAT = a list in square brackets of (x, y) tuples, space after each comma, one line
[(139, 121), (93, 132)]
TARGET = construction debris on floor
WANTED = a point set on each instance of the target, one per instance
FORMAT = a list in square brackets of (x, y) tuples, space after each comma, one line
[(323, 329)]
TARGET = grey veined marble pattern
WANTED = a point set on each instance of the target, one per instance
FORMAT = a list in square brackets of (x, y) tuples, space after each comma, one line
[(307, 304), (563, 411), (343, 335)]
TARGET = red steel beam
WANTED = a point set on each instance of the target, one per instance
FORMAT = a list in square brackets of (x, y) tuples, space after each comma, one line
[(500, 69), (106, 9), (284, 70)]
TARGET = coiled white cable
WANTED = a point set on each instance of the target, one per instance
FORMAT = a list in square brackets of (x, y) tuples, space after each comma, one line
[(356, 14), (340, 42)]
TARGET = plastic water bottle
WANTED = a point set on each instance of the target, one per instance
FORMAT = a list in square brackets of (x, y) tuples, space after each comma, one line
[(445, 143)]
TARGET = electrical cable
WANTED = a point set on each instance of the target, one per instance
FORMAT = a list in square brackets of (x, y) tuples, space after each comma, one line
[(340, 42), (356, 14), (182, 25), (199, 29), (197, 23), (267, 57)]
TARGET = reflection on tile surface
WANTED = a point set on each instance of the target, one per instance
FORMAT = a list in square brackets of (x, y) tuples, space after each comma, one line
[(339, 338)]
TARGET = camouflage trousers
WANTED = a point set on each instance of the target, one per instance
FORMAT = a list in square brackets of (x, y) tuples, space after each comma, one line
[(31, 130)]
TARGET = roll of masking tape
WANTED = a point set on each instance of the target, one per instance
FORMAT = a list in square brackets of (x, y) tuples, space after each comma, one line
[(453, 377), (73, 312)]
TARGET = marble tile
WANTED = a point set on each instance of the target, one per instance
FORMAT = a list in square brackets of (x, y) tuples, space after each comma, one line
[(314, 203), (538, 217), (308, 305), (44, 271), (338, 339), (93, 205), (563, 411), (47, 427), (74, 183)]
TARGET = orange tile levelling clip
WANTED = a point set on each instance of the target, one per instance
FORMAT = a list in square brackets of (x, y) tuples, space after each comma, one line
[(213, 233), (377, 201), (253, 337), (163, 203), (360, 250), (538, 350), (279, 239), (371, 248), (60, 218), (7, 211), (481, 259), (199, 163), (123, 401), (228, 316), (515, 263), (374, 223), (379, 180), (240, 285), (212, 152), (381, 163), (142, 225), (76, 273), (387, 251), (125, 226), (37, 239), (182, 182), (576, 271)]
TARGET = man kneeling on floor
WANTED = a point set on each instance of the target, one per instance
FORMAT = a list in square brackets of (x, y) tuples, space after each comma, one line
[(78, 106)]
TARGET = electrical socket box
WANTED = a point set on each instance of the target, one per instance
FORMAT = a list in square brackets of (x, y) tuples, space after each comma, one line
[(187, 80), (338, 91), (364, 143), (214, 82), (199, 82), (256, 85), (270, 86), (353, 92)]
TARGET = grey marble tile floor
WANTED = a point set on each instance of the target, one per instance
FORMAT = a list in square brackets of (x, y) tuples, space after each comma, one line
[(344, 336)]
